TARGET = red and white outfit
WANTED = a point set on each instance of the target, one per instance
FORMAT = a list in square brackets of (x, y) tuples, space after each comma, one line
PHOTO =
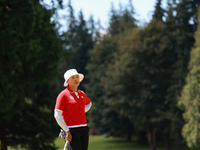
[(70, 109)]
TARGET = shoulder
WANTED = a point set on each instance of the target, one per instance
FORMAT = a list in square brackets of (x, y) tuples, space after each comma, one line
[(82, 92), (64, 92)]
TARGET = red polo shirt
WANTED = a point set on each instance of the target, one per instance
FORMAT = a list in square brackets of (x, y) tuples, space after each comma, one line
[(73, 107)]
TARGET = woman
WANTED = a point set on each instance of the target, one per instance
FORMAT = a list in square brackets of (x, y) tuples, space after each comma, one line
[(70, 108)]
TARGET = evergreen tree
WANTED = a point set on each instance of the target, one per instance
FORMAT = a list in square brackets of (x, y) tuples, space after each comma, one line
[(127, 18), (181, 24), (84, 43), (100, 57), (122, 20), (190, 97), (155, 73), (120, 92), (78, 40), (140, 78), (159, 11), (114, 21), (29, 56)]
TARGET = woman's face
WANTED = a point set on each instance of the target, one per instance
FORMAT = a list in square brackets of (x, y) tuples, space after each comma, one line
[(74, 81)]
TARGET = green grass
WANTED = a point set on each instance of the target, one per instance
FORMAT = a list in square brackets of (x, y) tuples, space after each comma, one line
[(101, 143), (15, 148), (110, 143)]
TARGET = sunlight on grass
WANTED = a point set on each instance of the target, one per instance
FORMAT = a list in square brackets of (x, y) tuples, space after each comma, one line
[(101, 143), (59, 142), (110, 143), (15, 148)]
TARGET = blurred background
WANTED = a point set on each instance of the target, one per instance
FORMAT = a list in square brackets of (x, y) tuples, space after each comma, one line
[(143, 76)]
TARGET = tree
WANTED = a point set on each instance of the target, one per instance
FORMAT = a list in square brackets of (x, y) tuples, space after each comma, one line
[(100, 57), (190, 96), (122, 20), (159, 11), (84, 44), (120, 84), (181, 24), (78, 40), (30, 53), (114, 22), (137, 92)]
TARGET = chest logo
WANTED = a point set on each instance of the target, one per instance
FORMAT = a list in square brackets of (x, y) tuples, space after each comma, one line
[(71, 97), (81, 96)]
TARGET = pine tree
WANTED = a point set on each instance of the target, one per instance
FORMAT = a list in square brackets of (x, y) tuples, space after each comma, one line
[(190, 97), (29, 55), (84, 43), (100, 57), (120, 93), (114, 21), (181, 24), (78, 40), (159, 11), (122, 20)]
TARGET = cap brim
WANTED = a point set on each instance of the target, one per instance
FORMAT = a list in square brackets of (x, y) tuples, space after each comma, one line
[(81, 77), (65, 84)]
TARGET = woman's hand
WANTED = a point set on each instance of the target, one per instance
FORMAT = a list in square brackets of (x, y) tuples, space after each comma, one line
[(68, 136)]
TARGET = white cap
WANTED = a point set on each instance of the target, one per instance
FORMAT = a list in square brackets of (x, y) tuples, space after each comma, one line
[(70, 73)]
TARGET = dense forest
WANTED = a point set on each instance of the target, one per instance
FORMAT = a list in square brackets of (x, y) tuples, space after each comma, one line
[(143, 80)]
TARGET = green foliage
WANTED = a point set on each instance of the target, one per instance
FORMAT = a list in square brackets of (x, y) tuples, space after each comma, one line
[(141, 80), (78, 41), (30, 53), (159, 11), (142, 66), (133, 75), (100, 57), (123, 20), (181, 25), (190, 97)]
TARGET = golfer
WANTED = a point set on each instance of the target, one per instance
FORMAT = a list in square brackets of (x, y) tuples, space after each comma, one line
[(70, 108)]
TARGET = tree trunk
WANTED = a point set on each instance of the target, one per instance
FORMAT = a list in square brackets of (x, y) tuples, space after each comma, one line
[(3, 137), (152, 139), (167, 142), (129, 134), (142, 138)]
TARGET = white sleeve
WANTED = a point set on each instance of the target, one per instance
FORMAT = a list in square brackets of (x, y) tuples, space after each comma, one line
[(88, 106), (60, 120)]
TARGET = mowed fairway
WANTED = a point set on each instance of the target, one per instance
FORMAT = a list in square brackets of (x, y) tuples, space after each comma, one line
[(101, 143)]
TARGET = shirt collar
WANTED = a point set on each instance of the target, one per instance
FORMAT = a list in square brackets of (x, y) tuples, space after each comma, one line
[(71, 90)]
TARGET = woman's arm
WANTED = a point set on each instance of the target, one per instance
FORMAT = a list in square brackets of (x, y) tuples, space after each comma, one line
[(60, 120)]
